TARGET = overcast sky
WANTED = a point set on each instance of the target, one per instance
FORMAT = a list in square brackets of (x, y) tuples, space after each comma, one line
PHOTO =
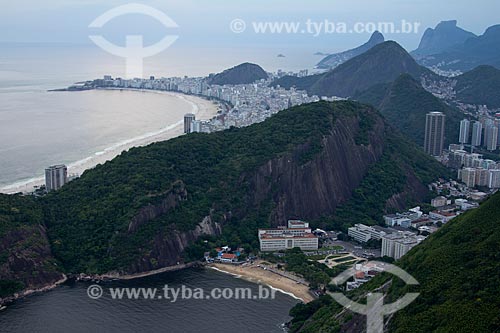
[(203, 22)]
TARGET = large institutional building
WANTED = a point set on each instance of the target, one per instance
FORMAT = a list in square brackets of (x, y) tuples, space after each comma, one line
[(298, 234)]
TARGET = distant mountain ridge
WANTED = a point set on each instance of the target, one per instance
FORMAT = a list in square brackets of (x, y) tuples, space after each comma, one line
[(443, 36), (244, 73), (480, 86), (383, 63), (473, 52), (333, 60)]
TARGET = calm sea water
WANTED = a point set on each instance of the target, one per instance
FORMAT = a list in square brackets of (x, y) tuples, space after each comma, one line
[(69, 309), (40, 128)]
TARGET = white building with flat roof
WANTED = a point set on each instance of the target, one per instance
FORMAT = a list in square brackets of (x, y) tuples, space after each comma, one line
[(363, 233), (397, 244), (297, 234)]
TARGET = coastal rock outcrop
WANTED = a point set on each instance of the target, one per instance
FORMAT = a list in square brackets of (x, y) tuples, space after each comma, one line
[(167, 248)]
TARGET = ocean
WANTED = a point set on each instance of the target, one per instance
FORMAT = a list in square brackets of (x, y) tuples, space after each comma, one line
[(69, 309)]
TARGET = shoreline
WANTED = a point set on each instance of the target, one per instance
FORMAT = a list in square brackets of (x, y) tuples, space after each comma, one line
[(258, 275), (101, 278), (28, 292), (204, 109), (118, 276)]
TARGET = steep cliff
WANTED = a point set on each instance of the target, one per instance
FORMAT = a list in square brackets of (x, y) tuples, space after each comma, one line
[(167, 248), (26, 260), (316, 188)]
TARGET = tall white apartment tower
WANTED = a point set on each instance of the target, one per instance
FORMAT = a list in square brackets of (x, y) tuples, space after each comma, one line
[(55, 177), (464, 131), (477, 132)]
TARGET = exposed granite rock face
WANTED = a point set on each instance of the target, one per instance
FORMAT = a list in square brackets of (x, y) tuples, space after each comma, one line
[(167, 248), (414, 191), (171, 199), (317, 187), (27, 258)]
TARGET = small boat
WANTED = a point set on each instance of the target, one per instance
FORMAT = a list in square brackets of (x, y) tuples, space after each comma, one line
[(3, 307)]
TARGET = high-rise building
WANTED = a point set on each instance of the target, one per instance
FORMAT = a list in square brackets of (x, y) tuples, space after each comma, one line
[(482, 177), (494, 181), (456, 159), (55, 177), (497, 124), (188, 119), (491, 137), (469, 176), (434, 133), (477, 132), (464, 131)]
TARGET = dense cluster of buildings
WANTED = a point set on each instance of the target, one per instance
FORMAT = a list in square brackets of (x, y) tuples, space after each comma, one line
[(473, 169), (482, 133), (395, 242), (247, 103), (297, 234), (403, 231)]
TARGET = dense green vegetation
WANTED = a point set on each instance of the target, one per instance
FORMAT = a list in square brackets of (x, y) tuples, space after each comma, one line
[(17, 211), (315, 273), (242, 74), (404, 103), (480, 86), (88, 219), (8, 287), (457, 269)]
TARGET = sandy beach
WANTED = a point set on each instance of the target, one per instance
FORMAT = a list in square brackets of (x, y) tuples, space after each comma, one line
[(202, 108), (256, 274)]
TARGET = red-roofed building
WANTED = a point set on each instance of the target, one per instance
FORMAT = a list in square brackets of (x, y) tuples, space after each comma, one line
[(228, 257)]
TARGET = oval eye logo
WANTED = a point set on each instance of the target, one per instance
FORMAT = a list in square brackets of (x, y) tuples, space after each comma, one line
[(134, 51), (375, 309)]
